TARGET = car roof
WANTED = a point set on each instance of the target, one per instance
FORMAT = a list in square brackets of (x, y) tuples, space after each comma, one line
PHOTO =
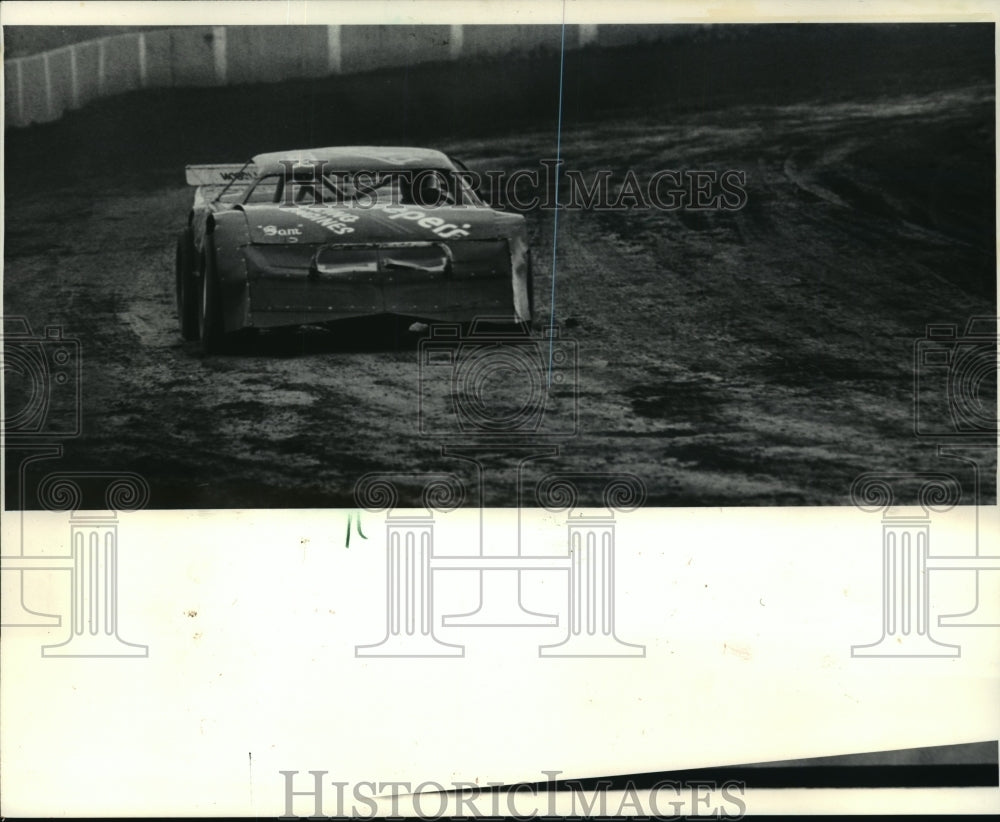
[(354, 158)]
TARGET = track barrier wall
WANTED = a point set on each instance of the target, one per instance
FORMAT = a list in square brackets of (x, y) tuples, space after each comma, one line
[(40, 88)]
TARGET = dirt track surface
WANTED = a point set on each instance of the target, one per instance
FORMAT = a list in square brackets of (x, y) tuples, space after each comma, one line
[(756, 357)]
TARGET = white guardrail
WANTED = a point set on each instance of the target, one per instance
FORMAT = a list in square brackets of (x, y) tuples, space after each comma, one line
[(40, 88)]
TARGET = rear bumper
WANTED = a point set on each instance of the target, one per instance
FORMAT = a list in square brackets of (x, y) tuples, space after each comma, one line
[(298, 285), (284, 319)]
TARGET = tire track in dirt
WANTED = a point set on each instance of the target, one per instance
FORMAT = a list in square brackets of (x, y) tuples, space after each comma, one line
[(755, 357)]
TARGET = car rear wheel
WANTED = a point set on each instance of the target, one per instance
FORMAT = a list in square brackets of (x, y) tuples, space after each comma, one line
[(210, 309), (187, 286)]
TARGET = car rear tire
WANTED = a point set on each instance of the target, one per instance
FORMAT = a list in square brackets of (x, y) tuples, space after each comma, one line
[(187, 286), (210, 306)]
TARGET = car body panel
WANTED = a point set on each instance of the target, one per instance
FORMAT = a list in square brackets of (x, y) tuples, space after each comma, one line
[(285, 263)]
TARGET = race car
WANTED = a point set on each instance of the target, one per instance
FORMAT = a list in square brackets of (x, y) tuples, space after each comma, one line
[(312, 236)]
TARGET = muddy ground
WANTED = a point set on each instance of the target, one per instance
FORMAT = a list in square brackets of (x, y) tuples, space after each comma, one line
[(763, 356)]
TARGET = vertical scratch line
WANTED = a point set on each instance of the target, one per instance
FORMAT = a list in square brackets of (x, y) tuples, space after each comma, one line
[(555, 218)]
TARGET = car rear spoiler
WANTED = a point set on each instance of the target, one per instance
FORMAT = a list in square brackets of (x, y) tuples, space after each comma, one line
[(220, 174)]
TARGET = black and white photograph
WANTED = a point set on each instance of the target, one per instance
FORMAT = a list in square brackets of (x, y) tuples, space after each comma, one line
[(745, 262), (458, 409)]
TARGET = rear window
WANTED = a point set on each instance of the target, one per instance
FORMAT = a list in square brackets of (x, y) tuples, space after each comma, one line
[(424, 188), (265, 190)]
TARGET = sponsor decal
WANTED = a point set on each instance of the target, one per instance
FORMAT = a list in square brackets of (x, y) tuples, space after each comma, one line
[(230, 176), (274, 231), (339, 222), (445, 231), (335, 222)]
